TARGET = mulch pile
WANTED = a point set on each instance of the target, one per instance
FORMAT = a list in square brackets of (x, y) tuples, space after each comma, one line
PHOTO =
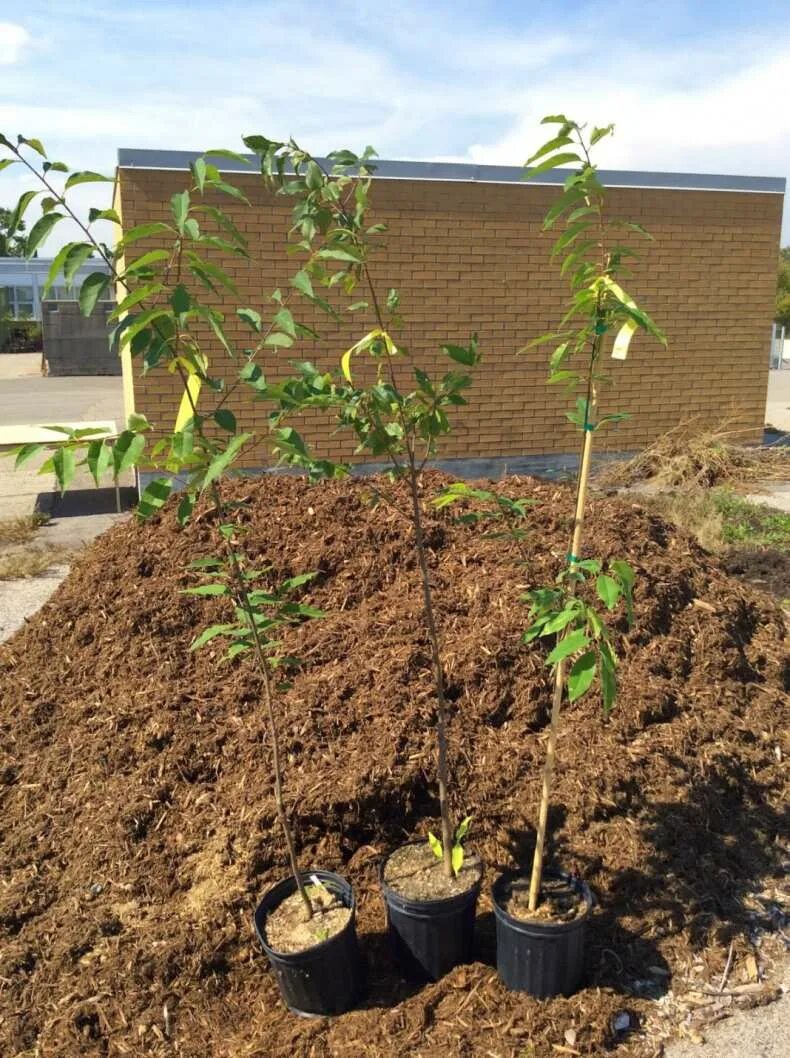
[(137, 823)]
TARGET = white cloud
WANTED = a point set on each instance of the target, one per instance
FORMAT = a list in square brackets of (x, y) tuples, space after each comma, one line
[(13, 41), (415, 80)]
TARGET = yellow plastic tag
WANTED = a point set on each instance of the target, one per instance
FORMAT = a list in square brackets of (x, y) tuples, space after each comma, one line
[(185, 407), (623, 340)]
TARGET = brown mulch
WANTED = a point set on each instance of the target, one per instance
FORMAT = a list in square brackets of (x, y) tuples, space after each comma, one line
[(137, 825)]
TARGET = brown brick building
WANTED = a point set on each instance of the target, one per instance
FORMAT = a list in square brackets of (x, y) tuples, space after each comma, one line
[(466, 251)]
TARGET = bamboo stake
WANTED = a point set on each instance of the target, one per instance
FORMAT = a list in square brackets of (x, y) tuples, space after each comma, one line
[(559, 672)]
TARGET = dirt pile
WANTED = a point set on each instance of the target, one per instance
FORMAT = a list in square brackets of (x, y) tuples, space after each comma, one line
[(138, 828)]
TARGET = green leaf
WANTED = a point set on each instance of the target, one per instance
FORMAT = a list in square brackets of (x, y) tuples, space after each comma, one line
[(458, 858), (581, 675), (19, 210), (571, 232), (551, 163), (598, 134), (26, 452), (198, 168), (436, 845), (40, 231), (463, 829), (225, 419), (179, 205), (180, 299), (210, 633), (570, 644), (222, 152), (229, 189), (608, 591), (461, 355), (285, 321), (146, 260), (64, 465), (138, 422), (314, 178), (207, 589), (185, 508), (98, 460), (140, 294), (559, 355), (93, 287), (55, 268), (88, 177), (37, 145), (221, 462), (251, 317), (154, 497), (126, 451), (284, 341), (608, 676), (77, 256), (144, 231), (296, 582), (624, 572), (302, 282), (103, 214), (548, 147), (559, 621)]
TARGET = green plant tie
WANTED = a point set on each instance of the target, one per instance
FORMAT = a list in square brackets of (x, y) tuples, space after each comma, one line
[(589, 427), (572, 558)]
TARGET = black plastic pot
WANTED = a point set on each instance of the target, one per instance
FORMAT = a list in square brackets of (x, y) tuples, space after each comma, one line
[(429, 937), (328, 978), (542, 958)]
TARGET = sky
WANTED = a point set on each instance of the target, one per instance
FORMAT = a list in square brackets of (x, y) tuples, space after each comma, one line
[(693, 87)]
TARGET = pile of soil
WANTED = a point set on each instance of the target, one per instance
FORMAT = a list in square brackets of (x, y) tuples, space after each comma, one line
[(137, 822)]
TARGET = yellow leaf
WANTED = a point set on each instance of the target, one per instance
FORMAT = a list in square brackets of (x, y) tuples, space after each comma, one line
[(361, 345)]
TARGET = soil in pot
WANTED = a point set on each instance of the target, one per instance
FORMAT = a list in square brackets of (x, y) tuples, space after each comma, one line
[(289, 930), (415, 873), (559, 901)]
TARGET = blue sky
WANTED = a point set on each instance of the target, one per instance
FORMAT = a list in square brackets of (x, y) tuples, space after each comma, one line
[(698, 87)]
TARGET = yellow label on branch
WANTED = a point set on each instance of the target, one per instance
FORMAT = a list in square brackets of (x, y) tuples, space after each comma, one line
[(191, 393)]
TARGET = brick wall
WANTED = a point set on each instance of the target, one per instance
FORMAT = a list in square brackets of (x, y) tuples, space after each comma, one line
[(471, 257)]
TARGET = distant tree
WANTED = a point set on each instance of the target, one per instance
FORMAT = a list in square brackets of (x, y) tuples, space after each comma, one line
[(10, 245), (783, 288)]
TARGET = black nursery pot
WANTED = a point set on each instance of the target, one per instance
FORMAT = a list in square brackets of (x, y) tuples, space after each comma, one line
[(542, 958), (327, 978), (429, 937)]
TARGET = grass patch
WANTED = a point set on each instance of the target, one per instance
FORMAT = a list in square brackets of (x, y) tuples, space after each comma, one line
[(752, 523), (720, 519), (31, 561), (22, 529)]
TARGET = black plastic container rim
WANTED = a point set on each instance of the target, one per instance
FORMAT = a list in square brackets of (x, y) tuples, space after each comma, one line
[(275, 896), (446, 905), (541, 928)]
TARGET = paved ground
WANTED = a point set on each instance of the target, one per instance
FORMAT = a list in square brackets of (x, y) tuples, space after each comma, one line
[(19, 365), (777, 408), (30, 398), (760, 1033)]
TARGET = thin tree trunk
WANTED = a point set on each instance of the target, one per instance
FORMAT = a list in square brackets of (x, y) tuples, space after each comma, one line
[(441, 701), (268, 699)]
